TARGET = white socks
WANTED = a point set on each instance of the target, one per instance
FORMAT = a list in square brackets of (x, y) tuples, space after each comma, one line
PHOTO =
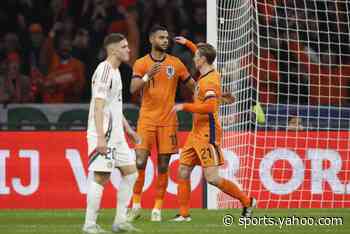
[(124, 195), (94, 195)]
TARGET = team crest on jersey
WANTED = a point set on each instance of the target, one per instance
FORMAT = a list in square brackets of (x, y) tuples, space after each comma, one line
[(170, 71)]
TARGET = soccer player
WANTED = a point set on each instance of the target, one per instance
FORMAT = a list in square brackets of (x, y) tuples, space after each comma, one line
[(157, 75), (107, 146), (203, 143)]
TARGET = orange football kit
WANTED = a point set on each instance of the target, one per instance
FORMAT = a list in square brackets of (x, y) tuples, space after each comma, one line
[(203, 144), (157, 124)]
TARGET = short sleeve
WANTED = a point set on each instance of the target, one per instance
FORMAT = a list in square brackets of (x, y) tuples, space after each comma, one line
[(102, 81), (138, 69), (182, 71)]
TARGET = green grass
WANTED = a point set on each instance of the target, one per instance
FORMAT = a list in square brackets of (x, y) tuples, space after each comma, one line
[(204, 221)]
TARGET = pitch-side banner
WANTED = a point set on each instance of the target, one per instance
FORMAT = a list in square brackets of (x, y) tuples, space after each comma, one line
[(306, 169), (49, 170)]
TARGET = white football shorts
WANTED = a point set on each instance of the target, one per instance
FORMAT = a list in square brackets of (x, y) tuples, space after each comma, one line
[(118, 155)]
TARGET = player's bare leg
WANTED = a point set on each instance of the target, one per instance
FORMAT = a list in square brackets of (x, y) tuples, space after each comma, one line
[(184, 193), (141, 163), (129, 176), (162, 184), (94, 195), (211, 175)]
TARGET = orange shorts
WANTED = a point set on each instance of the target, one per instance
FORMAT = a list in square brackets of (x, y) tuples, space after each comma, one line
[(196, 152), (165, 138)]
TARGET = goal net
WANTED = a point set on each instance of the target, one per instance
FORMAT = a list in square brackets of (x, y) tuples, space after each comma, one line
[(286, 138)]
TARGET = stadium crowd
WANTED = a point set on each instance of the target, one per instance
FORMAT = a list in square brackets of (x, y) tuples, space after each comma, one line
[(304, 52), (49, 49)]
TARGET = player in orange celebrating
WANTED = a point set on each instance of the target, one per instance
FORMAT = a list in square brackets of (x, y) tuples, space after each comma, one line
[(156, 75), (203, 144)]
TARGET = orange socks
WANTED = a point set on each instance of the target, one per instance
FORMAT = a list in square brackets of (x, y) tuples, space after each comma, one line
[(136, 199), (183, 194), (162, 184), (233, 190)]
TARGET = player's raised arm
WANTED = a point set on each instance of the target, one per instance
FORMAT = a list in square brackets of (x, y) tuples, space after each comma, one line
[(227, 98), (141, 77), (189, 81), (189, 44)]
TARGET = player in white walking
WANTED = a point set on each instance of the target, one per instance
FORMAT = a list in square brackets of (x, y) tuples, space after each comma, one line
[(107, 146)]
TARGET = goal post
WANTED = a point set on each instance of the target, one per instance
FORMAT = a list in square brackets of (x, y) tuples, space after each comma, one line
[(286, 138), (212, 23)]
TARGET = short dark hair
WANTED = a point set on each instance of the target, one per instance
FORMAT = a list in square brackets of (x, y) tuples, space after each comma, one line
[(157, 28), (208, 51), (113, 38)]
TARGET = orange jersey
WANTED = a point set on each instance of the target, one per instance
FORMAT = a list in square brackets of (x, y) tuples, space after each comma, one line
[(158, 95), (206, 126)]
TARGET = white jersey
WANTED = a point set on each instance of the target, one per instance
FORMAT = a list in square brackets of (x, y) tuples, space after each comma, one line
[(106, 84)]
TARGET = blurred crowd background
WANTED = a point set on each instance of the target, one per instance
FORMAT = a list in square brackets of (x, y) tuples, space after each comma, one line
[(304, 52), (50, 48)]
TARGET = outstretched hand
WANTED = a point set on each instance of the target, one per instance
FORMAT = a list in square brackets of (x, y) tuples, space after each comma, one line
[(177, 107), (180, 40), (228, 98)]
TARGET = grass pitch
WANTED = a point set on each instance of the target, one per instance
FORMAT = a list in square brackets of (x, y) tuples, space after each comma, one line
[(204, 221)]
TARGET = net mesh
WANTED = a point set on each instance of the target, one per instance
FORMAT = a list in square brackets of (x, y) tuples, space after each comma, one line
[(287, 62)]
